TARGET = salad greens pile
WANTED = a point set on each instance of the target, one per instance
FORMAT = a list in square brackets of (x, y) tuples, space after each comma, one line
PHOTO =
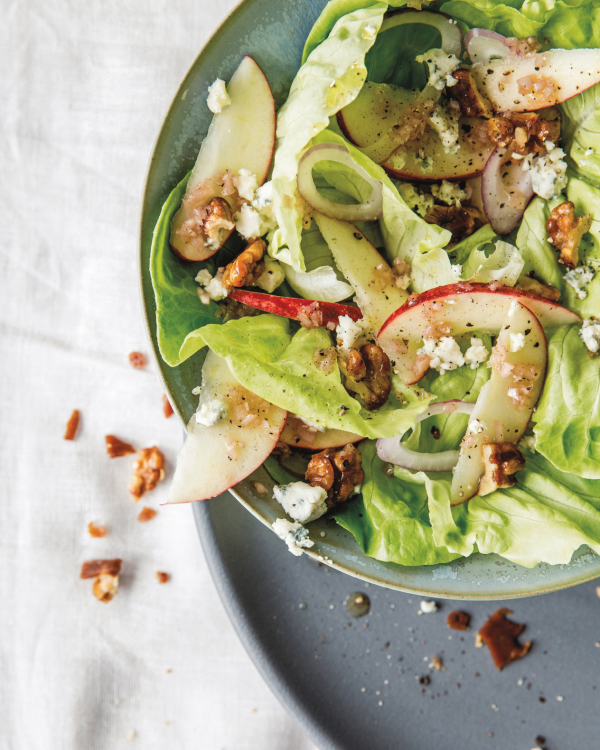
[(408, 518)]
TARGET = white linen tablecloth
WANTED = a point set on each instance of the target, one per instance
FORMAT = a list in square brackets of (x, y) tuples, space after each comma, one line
[(83, 90)]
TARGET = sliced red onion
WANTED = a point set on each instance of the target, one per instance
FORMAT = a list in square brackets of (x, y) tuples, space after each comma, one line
[(449, 31), (506, 189), (392, 450), (368, 211), (482, 44)]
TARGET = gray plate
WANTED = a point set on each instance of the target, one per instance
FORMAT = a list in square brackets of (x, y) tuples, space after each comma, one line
[(330, 670)]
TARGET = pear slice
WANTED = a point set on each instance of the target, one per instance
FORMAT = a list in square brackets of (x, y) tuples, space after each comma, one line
[(298, 435), (215, 458), (506, 402), (241, 136), (364, 268)]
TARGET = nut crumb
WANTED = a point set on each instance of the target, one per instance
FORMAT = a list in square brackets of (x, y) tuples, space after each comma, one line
[(115, 447), (96, 531), (148, 471), (458, 620), (436, 663), (106, 577), (259, 488), (72, 425), (162, 578), (131, 734), (137, 360), (597, 590), (166, 405), (146, 514), (500, 636), (478, 640)]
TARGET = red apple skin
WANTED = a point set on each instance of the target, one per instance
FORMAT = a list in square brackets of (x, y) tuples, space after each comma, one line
[(322, 441), (537, 305), (291, 307)]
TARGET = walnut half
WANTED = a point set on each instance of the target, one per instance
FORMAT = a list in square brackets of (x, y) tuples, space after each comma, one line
[(247, 267), (219, 223), (338, 472), (565, 231), (501, 461), (472, 103)]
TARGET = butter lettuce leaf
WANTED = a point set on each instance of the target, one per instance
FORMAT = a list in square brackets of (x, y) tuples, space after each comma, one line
[(277, 365), (390, 520), (532, 241), (178, 307), (567, 419), (581, 132)]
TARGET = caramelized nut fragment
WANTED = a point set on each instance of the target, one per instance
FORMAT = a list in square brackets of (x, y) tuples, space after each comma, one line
[(337, 471), (501, 461), (355, 365), (148, 471), (500, 636), (546, 291), (458, 620), (146, 514), (524, 132), (375, 385), (117, 448), (137, 360), (72, 425), (218, 223), (470, 100), (106, 575), (96, 531), (247, 267), (565, 231), (461, 221), (162, 578)]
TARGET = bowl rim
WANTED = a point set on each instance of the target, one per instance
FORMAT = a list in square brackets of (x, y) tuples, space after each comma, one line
[(159, 364)]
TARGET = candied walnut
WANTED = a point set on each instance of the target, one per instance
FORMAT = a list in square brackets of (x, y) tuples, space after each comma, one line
[(501, 461), (117, 448), (458, 620), (137, 360), (524, 132), (148, 471), (375, 386), (247, 267), (162, 577), (146, 514), (536, 287), (72, 425), (500, 636), (469, 98), (218, 223), (96, 531), (355, 365), (166, 405), (500, 131), (106, 575), (460, 221), (338, 471), (565, 231)]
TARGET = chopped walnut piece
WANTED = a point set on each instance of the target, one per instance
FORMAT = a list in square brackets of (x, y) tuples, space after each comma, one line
[(546, 291), (166, 405), (72, 425), (500, 131), (219, 223), (458, 620), (247, 267), (355, 365), (148, 471), (137, 360), (501, 461), (96, 531), (472, 103), (375, 386), (146, 514), (162, 578), (338, 471), (115, 447), (565, 231), (500, 636), (106, 575), (460, 221), (523, 132)]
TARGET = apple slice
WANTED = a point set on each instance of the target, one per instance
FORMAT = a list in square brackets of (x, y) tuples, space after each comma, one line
[(241, 136), (506, 402), (367, 119), (298, 434), (525, 84), (365, 268), (215, 458), (294, 308), (454, 310)]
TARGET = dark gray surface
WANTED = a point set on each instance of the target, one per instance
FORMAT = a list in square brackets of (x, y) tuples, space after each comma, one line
[(330, 670)]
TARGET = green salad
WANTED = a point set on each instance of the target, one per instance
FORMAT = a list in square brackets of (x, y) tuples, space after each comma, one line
[(397, 277)]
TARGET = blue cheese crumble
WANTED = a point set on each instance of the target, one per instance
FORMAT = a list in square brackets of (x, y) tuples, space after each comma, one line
[(414, 200), (578, 279), (293, 534), (272, 277), (444, 354), (449, 193), (548, 172), (476, 353), (217, 96), (441, 65), (301, 501), (246, 184), (517, 341), (590, 334), (210, 287), (444, 121), (211, 413), (347, 333)]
